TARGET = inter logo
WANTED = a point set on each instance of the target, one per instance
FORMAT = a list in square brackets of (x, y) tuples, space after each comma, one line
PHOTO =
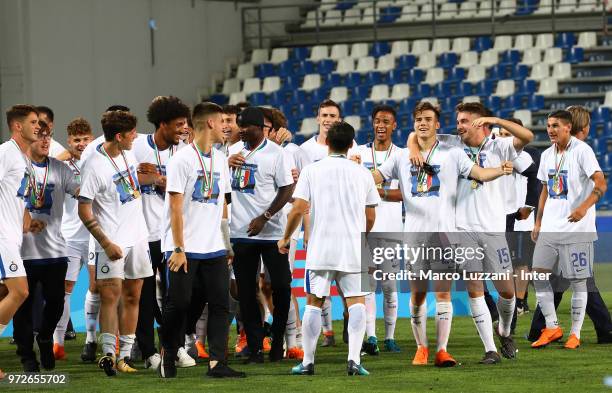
[(13, 267), (105, 269)]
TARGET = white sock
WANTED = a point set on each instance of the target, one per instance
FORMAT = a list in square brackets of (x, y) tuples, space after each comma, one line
[(505, 308), (201, 325), (92, 309), (291, 328), (298, 337), (190, 340), (108, 342), (356, 330), (418, 321), (444, 319), (389, 288), (579, 301), (326, 317), (126, 341), (62, 324), (2, 328), (546, 301), (311, 329), (370, 307), (482, 319)]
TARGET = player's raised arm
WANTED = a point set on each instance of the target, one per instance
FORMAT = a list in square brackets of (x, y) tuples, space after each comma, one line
[(488, 174), (522, 136)]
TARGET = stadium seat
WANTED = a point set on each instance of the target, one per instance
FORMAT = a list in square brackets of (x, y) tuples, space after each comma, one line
[(245, 71), (506, 7), (539, 71), (553, 56), (532, 56), (460, 45), (544, 41), (291, 67), (399, 48), (440, 45), (365, 64), (510, 57), (319, 52), (291, 83), (299, 53), (264, 70), (492, 102), (600, 115), (485, 10), (608, 100), (251, 85), (379, 93), (386, 63), (400, 91), (426, 12), (523, 41), (432, 100), (332, 18), (484, 88), (548, 87), (359, 49), (237, 97), (447, 60), (339, 51), (339, 94), (448, 11), (311, 19), (259, 56), (257, 99), (367, 18), (588, 6), (468, 99), (520, 71), (352, 16), (352, 79), (467, 10), (345, 65), (455, 74), (497, 72), (434, 76), (355, 121), (476, 73), (523, 115), (544, 8), (421, 90), (575, 55), (389, 14), (311, 82), (489, 58), (419, 47), (562, 71), (426, 60), (565, 40), (482, 43), (230, 86), (309, 126), (468, 59), (535, 103), (502, 43), (328, 5), (271, 84), (409, 13), (379, 49), (566, 6), (504, 88), (587, 39)]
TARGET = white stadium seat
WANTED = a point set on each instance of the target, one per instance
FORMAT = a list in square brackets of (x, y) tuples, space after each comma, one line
[(502, 43), (352, 16), (237, 97), (426, 60), (553, 56), (504, 88), (566, 6), (426, 12), (251, 85), (587, 39), (440, 45), (379, 93), (545, 8), (548, 87), (386, 63), (328, 5), (359, 49), (409, 13), (523, 115), (332, 18), (544, 41), (532, 56), (338, 94), (311, 82), (318, 53), (539, 71), (279, 55), (354, 121), (489, 58), (506, 7), (460, 45), (245, 71), (608, 100), (467, 10), (365, 64), (400, 91), (271, 84), (419, 47), (434, 76), (259, 56), (588, 6), (367, 17), (230, 86), (562, 71), (399, 48), (432, 100), (309, 126), (345, 66), (523, 41), (311, 19), (476, 73), (448, 11), (339, 51), (468, 99), (468, 59)]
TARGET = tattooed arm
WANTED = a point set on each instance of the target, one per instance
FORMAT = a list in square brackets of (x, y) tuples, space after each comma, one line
[(112, 250)]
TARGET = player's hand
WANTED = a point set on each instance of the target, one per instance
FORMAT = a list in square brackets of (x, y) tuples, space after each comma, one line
[(147, 168), (64, 156), (283, 245), (507, 167), (282, 135), (356, 158), (535, 232), (482, 121), (235, 160), (577, 214), (295, 174), (177, 261), (113, 251), (416, 158), (256, 225), (36, 226), (523, 213), (160, 182)]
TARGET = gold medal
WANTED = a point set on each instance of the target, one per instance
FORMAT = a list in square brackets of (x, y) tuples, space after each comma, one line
[(419, 188), (136, 194), (39, 203), (474, 184)]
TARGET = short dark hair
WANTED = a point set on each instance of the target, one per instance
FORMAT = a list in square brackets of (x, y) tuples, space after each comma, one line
[(473, 107), (78, 126), (327, 103), (47, 111), (242, 104), (164, 109), (279, 120), (202, 111), (231, 109), (561, 114), (340, 136), (515, 121), (19, 113), (426, 106), (267, 112), (384, 108), (118, 108), (116, 122)]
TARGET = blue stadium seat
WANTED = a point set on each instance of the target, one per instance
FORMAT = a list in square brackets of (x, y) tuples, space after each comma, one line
[(365, 109), (300, 53), (496, 72), (513, 102), (389, 14), (447, 60), (399, 138), (484, 88), (599, 145), (320, 94), (308, 108), (442, 89), (600, 115), (362, 137), (264, 70), (565, 40), (220, 99), (482, 43), (288, 68), (510, 57), (449, 103), (406, 106), (455, 74), (278, 98), (421, 90), (520, 72), (345, 4), (348, 108), (292, 82), (299, 96), (574, 55), (535, 103), (464, 89), (396, 76), (326, 66), (307, 67), (406, 62), (297, 138), (505, 113), (352, 79), (380, 48), (492, 102), (360, 93), (415, 76), (373, 78), (606, 162), (258, 99), (525, 87), (332, 80), (607, 128)]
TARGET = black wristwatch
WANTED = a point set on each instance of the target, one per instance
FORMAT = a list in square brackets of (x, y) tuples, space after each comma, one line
[(178, 250), (267, 215)]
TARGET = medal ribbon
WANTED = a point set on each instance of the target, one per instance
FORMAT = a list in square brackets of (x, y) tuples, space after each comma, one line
[(559, 166), (32, 174), (422, 174), (158, 156), (75, 166), (251, 153), (130, 182), (376, 164), (39, 194), (208, 182), (474, 157)]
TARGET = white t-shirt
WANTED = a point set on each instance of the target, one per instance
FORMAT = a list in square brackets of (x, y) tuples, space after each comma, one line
[(49, 244), (338, 191), (91, 148), (56, 148), (294, 156), (254, 187), (520, 186), (13, 181), (512, 201), (202, 209), (118, 212), (144, 150), (314, 151), (430, 207), (388, 214), (482, 209), (72, 226), (574, 185)]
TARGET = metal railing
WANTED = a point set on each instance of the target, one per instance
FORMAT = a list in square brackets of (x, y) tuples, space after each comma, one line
[(262, 27)]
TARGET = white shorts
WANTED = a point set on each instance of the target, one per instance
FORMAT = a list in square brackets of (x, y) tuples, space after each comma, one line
[(11, 264), (78, 255), (431, 256), (575, 260), (91, 256), (136, 263), (318, 283), (483, 252)]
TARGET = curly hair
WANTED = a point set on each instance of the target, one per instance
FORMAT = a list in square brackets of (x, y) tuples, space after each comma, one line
[(164, 109), (115, 122), (78, 126)]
